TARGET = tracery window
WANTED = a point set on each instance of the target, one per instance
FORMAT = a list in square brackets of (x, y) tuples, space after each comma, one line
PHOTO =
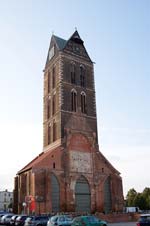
[(82, 76), (54, 131), (83, 102), (54, 77), (48, 82), (74, 100), (49, 134), (73, 73), (48, 109), (54, 104)]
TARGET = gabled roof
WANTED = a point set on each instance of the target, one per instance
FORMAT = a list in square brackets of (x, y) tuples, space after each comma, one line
[(60, 42), (76, 38)]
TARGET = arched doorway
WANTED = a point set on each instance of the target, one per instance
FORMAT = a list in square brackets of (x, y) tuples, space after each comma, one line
[(55, 195), (82, 195), (107, 196)]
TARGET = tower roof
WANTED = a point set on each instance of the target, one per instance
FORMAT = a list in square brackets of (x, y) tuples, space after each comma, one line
[(60, 42), (76, 38)]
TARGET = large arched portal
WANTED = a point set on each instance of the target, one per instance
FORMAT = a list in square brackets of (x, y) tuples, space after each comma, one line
[(55, 194), (107, 196), (82, 195)]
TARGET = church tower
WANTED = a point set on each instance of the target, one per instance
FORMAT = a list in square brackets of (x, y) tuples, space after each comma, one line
[(69, 92), (71, 174)]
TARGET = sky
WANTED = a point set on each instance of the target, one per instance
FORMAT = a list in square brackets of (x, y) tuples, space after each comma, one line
[(116, 34)]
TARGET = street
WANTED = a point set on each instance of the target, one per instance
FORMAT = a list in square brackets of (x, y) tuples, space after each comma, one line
[(122, 224)]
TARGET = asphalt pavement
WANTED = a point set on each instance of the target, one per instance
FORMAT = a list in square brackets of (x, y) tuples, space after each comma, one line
[(122, 224)]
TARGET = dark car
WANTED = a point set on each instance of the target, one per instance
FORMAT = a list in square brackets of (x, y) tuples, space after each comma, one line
[(144, 220), (88, 221), (38, 221), (20, 220), (60, 220)]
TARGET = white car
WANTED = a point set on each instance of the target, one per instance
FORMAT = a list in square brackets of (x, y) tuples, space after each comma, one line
[(6, 219)]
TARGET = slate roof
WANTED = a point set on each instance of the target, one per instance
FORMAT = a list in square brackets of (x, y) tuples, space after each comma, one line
[(60, 42)]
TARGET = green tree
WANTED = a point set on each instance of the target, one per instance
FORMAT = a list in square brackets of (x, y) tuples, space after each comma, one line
[(146, 195), (130, 197), (139, 201)]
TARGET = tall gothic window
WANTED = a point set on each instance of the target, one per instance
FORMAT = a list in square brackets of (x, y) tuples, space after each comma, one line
[(73, 100), (48, 109), (54, 131), (82, 76), (54, 77), (83, 102), (48, 82), (54, 104), (49, 134), (73, 74)]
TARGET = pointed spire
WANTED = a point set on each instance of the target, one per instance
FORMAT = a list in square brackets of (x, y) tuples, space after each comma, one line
[(76, 38)]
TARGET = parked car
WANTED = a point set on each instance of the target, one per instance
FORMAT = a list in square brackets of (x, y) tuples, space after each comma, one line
[(144, 220), (88, 221), (38, 221), (6, 219), (1, 215), (13, 220), (27, 221), (20, 220), (60, 220)]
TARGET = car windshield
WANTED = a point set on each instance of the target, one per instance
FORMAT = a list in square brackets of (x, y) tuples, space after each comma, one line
[(65, 218), (144, 218), (54, 219), (28, 219)]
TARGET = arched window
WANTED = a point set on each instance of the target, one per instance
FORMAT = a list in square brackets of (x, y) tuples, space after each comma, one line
[(73, 100), (107, 195), (53, 165), (54, 104), (55, 194), (72, 73), (54, 131), (49, 135), (83, 102), (54, 77), (48, 82), (82, 195), (82, 76), (48, 109)]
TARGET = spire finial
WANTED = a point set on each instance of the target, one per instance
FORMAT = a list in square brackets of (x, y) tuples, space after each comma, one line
[(75, 28), (52, 32)]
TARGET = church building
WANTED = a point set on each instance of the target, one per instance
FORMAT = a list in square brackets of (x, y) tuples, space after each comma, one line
[(71, 174)]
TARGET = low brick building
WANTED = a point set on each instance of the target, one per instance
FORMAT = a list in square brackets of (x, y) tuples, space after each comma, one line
[(71, 174)]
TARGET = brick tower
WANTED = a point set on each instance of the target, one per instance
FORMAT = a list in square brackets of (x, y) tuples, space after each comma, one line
[(71, 174), (69, 92)]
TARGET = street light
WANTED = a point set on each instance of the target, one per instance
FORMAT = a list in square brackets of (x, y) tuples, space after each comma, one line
[(24, 204)]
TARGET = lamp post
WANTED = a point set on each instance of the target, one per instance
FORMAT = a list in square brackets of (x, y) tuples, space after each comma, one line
[(24, 206)]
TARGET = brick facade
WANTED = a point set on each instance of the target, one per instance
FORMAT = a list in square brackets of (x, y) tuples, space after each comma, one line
[(71, 168)]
